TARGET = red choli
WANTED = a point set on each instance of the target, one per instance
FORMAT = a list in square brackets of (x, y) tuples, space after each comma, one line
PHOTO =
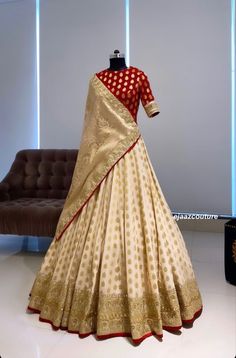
[(129, 86)]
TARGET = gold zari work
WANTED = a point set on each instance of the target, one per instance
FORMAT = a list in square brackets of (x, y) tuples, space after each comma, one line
[(151, 107), (109, 313)]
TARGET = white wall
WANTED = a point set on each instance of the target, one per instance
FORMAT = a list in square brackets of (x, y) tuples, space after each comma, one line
[(76, 40), (183, 46), (18, 122)]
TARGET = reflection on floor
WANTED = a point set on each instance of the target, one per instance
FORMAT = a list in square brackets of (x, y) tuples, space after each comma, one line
[(23, 335)]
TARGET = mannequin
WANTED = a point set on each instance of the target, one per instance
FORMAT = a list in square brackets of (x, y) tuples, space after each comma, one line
[(120, 281), (117, 61)]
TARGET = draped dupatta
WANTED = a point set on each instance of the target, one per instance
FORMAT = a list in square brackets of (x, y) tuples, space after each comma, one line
[(109, 131)]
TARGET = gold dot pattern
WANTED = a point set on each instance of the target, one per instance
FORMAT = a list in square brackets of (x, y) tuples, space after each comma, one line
[(130, 86), (124, 241)]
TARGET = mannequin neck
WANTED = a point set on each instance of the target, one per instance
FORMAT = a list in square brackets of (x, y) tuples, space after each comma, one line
[(117, 64)]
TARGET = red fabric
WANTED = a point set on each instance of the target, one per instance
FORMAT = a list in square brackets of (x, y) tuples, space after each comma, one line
[(120, 334), (129, 86)]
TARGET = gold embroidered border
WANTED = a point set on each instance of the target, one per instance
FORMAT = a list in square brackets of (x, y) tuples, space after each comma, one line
[(151, 108), (84, 311), (109, 130)]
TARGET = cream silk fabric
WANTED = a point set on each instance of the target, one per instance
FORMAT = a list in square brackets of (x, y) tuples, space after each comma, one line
[(109, 130), (121, 267)]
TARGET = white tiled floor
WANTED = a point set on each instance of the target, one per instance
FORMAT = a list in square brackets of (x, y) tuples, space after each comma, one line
[(22, 335)]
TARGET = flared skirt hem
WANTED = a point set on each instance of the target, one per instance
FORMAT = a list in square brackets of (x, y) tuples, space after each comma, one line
[(120, 334)]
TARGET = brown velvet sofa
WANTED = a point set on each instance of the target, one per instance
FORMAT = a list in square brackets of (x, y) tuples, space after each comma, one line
[(33, 192)]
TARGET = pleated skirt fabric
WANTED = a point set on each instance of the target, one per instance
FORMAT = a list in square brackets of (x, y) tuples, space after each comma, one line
[(121, 268)]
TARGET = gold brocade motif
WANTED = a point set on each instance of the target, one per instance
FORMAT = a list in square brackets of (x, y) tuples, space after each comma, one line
[(110, 313), (152, 107), (108, 132)]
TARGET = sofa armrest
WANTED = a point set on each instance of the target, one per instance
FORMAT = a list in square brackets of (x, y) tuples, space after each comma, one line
[(4, 193)]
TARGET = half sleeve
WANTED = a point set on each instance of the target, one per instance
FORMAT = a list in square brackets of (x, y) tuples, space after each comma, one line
[(149, 103)]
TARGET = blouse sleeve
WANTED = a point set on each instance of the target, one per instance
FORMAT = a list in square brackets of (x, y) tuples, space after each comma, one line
[(149, 103)]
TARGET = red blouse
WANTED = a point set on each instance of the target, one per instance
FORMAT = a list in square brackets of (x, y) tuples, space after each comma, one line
[(129, 86)]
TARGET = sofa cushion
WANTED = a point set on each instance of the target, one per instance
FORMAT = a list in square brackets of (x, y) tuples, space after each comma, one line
[(40, 173), (30, 216)]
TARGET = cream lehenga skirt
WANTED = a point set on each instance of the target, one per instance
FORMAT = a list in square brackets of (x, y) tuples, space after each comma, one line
[(121, 268)]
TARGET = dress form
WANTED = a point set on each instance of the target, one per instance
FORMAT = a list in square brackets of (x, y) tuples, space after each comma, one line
[(121, 267), (117, 61)]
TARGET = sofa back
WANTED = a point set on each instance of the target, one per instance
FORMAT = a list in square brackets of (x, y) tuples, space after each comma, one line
[(42, 173)]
